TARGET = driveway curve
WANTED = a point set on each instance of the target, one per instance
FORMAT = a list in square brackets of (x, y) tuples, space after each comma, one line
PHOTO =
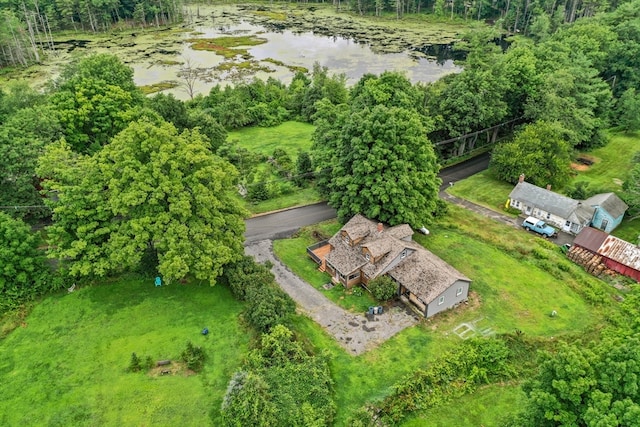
[(356, 333)]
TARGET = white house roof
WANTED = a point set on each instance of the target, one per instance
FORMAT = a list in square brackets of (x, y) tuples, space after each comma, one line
[(554, 203)]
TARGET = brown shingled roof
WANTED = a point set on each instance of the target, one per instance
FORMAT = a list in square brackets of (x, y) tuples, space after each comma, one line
[(426, 275), (422, 272)]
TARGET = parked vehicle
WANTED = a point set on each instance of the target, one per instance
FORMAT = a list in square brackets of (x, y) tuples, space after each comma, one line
[(565, 248), (539, 226)]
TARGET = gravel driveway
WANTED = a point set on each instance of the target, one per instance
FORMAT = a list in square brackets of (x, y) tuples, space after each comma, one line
[(354, 332)]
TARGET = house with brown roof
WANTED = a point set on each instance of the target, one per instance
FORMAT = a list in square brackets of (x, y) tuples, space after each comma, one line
[(363, 250)]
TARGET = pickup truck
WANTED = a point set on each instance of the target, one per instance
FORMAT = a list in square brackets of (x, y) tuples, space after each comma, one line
[(539, 226)]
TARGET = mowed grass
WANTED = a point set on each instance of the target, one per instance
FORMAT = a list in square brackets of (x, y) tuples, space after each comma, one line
[(483, 189), (612, 162), (486, 407), (291, 136), (66, 365), (300, 197)]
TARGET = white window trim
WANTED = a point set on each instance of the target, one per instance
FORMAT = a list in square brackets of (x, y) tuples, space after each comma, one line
[(441, 300), (459, 291)]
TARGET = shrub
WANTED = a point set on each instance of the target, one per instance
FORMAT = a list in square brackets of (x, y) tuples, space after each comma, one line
[(383, 288), (23, 270), (134, 363), (193, 357), (280, 385), (268, 306)]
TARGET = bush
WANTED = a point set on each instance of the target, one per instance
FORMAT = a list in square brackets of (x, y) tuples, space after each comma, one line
[(135, 364), (268, 306), (193, 357), (23, 270), (280, 385), (383, 288)]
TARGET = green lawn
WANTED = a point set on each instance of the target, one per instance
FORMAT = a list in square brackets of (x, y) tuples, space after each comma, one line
[(485, 407), (66, 365), (483, 189), (612, 162), (300, 197), (290, 136)]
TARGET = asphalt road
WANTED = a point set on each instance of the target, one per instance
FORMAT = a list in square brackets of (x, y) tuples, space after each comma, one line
[(283, 224)]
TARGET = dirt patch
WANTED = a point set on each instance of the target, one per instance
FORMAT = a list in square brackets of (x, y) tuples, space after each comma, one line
[(172, 369), (579, 167)]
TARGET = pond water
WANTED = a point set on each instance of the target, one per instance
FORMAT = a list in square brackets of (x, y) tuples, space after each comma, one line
[(341, 55)]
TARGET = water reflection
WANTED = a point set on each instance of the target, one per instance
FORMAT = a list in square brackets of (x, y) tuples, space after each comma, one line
[(340, 54)]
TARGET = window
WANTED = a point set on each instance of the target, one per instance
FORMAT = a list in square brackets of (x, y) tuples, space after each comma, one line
[(459, 291), (604, 224), (404, 254), (528, 210), (440, 300), (367, 256), (354, 276), (567, 224)]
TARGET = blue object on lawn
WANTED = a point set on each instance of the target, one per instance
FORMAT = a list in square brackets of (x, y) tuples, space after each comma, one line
[(158, 281), (205, 331)]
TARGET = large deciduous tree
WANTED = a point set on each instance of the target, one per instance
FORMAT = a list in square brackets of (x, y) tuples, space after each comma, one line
[(95, 98), (150, 191), (539, 151), (22, 139), (372, 155), (386, 168)]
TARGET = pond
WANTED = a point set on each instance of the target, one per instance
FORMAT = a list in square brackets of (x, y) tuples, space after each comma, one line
[(279, 54), (227, 45)]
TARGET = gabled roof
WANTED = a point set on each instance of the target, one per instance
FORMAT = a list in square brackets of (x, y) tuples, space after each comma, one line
[(610, 202), (426, 275), (359, 227), (421, 272), (608, 246), (557, 204)]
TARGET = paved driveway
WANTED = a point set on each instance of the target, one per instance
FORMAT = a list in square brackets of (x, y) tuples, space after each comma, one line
[(354, 332)]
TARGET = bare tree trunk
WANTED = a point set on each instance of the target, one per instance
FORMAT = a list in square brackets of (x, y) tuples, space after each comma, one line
[(32, 37)]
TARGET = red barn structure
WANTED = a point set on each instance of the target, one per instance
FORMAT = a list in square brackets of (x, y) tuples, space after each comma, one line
[(617, 255)]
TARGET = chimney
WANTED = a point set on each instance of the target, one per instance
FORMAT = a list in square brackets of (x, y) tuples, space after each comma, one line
[(380, 227), (521, 178), (549, 187)]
